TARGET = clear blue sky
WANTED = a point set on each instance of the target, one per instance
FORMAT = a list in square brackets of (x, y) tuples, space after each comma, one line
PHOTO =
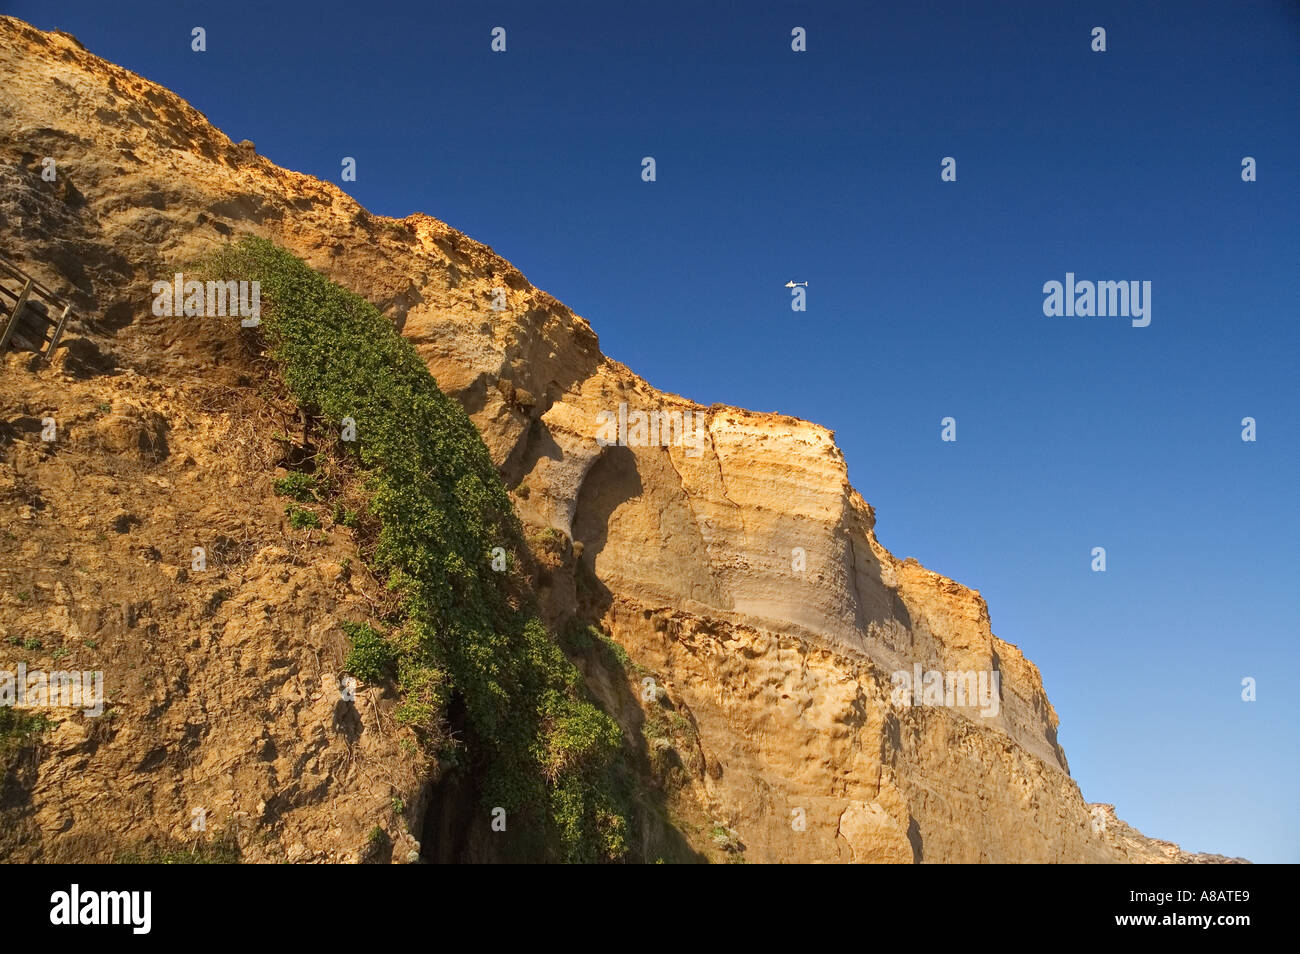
[(925, 297)]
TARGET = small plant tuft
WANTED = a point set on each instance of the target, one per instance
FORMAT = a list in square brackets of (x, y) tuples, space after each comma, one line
[(299, 486), (300, 518), (372, 658)]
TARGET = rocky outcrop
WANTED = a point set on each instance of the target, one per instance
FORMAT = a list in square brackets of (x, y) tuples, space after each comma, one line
[(737, 563)]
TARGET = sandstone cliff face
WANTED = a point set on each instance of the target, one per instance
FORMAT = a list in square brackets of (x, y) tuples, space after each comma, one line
[(224, 716), (745, 572)]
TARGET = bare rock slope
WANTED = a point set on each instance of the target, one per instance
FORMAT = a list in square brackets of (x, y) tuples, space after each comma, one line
[(745, 570)]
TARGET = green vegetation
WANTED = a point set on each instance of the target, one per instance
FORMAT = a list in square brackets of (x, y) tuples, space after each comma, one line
[(221, 850), (345, 517), (581, 639), (541, 746), (301, 487), (377, 844), (614, 650), (300, 518), (551, 537), (17, 730), (578, 639), (372, 657)]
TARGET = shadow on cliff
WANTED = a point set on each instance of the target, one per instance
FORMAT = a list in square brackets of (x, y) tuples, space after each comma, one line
[(527, 453), (611, 481), (611, 676), (455, 826)]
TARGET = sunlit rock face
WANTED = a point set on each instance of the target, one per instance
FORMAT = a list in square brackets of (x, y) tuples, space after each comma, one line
[(724, 549)]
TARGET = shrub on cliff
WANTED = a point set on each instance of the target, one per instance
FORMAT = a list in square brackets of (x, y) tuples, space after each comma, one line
[(441, 508)]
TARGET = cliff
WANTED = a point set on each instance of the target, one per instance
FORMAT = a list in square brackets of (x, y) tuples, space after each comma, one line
[(742, 571)]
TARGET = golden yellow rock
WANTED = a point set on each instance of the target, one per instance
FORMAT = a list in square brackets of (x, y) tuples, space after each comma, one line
[(732, 557)]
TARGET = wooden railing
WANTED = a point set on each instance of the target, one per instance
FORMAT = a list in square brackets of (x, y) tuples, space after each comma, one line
[(32, 317)]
